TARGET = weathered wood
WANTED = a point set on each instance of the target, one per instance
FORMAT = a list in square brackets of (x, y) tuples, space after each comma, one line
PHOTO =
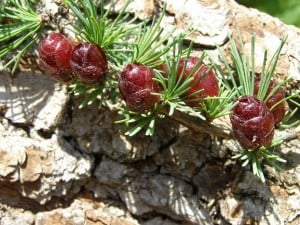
[(64, 165)]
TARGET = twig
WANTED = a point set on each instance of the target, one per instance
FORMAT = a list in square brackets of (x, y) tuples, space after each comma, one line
[(199, 125)]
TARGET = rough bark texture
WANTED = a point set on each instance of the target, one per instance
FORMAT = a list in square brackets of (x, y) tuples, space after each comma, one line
[(64, 165)]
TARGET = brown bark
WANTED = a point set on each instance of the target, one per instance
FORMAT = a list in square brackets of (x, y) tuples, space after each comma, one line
[(64, 165)]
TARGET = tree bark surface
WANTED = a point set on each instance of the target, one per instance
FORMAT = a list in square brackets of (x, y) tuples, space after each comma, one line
[(63, 165)]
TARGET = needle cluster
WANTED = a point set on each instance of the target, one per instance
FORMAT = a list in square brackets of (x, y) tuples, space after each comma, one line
[(149, 74)]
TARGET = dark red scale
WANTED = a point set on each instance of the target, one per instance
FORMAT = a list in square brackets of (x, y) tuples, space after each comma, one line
[(252, 123), (202, 80), (279, 111), (89, 63), (54, 56), (137, 85)]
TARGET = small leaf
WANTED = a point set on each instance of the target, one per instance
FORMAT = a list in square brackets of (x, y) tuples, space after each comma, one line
[(246, 162), (244, 156), (150, 129), (19, 33), (237, 156), (254, 165), (133, 131)]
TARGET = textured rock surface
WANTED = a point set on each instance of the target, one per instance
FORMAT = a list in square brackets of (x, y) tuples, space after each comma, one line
[(43, 169), (33, 99), (64, 165), (210, 27), (85, 211)]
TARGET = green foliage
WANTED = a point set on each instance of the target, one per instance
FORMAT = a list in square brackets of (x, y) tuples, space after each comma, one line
[(286, 10), (215, 107), (175, 87), (150, 43), (135, 122), (19, 28), (173, 94), (96, 26), (242, 79), (288, 120), (105, 92), (255, 157), (125, 40)]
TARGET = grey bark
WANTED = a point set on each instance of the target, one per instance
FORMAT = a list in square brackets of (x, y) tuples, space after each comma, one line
[(63, 165)]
